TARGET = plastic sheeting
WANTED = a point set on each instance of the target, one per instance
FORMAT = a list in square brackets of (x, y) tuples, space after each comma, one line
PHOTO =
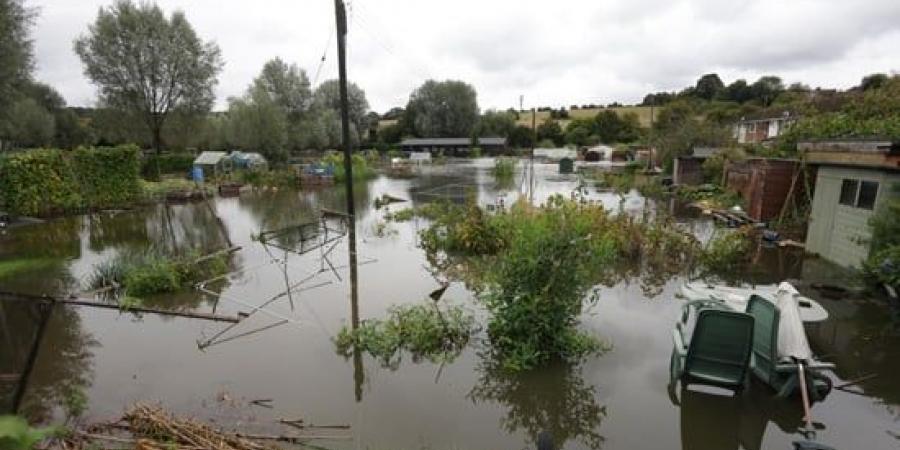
[(792, 342)]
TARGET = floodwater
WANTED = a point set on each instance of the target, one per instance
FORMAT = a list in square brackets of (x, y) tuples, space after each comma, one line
[(617, 400)]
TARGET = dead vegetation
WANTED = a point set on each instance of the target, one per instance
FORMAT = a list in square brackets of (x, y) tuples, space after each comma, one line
[(150, 427)]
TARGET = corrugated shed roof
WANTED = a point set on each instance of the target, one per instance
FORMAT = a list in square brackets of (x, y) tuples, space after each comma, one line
[(209, 158)]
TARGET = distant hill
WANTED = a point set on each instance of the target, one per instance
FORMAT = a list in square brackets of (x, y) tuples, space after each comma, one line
[(643, 113)]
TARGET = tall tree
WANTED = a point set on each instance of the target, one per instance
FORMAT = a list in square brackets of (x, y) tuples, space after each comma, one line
[(328, 98), (708, 86), (148, 64), (15, 57), (287, 85), (766, 89), (738, 91), (873, 81), (443, 109), (496, 123), (258, 123)]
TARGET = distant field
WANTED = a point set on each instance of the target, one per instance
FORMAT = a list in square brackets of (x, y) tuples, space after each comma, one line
[(643, 113)]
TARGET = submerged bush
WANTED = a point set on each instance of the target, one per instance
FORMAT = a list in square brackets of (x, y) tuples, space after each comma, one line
[(153, 271), (16, 434), (504, 168), (728, 252), (425, 331), (361, 168), (538, 268)]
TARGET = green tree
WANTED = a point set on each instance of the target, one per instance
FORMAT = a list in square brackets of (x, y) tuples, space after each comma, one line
[(30, 125), (148, 64), (738, 91), (873, 81), (579, 131), (256, 122), (15, 47), (551, 131), (611, 128), (496, 123), (287, 85), (521, 137), (328, 98), (766, 89), (708, 86), (442, 109)]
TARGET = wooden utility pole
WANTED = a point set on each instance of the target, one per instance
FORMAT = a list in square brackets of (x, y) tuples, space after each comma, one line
[(341, 18), (533, 143)]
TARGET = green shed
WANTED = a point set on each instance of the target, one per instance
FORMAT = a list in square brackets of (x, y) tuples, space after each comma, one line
[(566, 165), (853, 179)]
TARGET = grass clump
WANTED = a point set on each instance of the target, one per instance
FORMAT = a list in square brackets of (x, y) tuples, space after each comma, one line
[(153, 271), (423, 330)]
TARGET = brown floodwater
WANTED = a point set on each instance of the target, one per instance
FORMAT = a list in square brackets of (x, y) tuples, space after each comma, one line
[(108, 360)]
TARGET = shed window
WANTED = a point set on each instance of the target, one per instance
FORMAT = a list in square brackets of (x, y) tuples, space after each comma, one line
[(849, 189), (868, 190)]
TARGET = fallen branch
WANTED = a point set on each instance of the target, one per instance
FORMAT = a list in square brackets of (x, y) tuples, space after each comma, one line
[(226, 251)]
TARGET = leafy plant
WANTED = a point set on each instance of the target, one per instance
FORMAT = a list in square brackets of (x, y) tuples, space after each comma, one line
[(16, 434), (424, 330), (504, 168), (153, 271), (727, 252)]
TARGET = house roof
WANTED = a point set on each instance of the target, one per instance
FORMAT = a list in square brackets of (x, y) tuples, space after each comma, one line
[(459, 142), (872, 153), (210, 158)]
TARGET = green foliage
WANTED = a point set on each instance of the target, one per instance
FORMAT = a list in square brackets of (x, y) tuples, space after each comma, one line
[(442, 109), (168, 163), (462, 230), (16, 266), (257, 123), (108, 177), (149, 64), (16, 57), (140, 273), (496, 123), (361, 169), (551, 131), (158, 190), (714, 167), (403, 215), (727, 252), (38, 182), (504, 168), (423, 330), (710, 195), (264, 178), (16, 434), (29, 124), (327, 99), (41, 182), (883, 264)]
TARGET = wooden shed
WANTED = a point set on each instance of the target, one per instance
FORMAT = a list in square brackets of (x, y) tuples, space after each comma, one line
[(763, 183), (687, 170)]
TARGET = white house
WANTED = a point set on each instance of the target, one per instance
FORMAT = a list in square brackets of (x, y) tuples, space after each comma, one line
[(749, 131)]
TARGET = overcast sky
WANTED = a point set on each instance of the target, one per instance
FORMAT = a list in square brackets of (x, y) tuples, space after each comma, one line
[(553, 52)]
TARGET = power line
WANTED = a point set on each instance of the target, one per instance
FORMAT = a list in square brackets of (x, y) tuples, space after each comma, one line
[(324, 54)]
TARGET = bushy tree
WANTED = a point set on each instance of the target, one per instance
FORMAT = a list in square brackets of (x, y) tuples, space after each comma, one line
[(287, 85), (708, 86), (873, 81), (442, 109), (328, 98), (766, 89), (30, 125), (521, 137), (256, 122), (148, 64), (550, 130), (15, 47), (611, 128), (496, 123), (579, 132)]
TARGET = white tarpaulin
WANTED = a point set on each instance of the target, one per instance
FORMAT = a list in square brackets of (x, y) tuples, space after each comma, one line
[(792, 341)]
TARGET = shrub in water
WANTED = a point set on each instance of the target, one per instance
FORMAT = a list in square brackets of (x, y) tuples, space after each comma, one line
[(423, 330)]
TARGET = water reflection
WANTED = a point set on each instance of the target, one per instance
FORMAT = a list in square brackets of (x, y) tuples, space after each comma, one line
[(553, 400), (712, 421), (61, 355)]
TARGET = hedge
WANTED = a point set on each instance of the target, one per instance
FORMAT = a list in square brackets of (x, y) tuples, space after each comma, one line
[(49, 181), (180, 163)]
